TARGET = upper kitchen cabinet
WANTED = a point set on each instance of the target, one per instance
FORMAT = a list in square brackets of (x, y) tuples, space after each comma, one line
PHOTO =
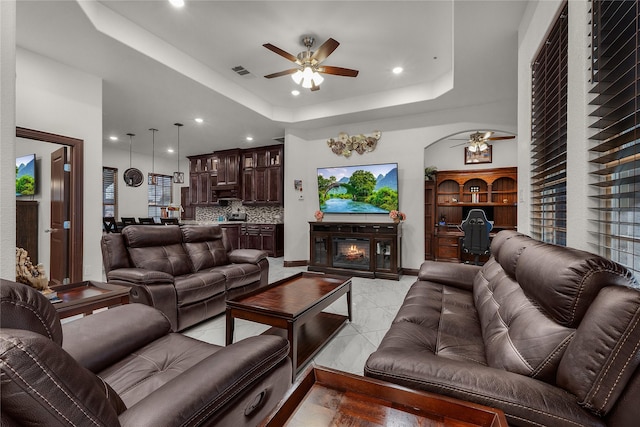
[(262, 175)]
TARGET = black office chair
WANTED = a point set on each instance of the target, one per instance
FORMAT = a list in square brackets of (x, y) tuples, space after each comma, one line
[(146, 221), (109, 224), (169, 221), (476, 229), (127, 220)]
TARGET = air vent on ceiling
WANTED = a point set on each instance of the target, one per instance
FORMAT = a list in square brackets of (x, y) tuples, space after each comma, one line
[(240, 70)]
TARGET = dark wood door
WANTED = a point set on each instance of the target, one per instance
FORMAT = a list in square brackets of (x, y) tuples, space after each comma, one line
[(188, 211), (60, 220)]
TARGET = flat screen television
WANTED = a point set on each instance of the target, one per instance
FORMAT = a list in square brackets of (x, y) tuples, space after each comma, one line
[(26, 175), (365, 189)]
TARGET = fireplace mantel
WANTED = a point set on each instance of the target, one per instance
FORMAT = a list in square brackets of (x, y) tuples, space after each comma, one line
[(363, 249)]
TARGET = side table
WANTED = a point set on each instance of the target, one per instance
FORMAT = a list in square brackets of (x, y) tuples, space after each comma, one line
[(85, 297)]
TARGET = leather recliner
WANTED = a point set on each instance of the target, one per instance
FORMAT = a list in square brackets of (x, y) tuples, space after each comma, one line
[(123, 366), (548, 334), (187, 272)]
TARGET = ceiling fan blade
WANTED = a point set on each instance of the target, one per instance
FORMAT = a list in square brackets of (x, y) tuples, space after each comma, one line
[(281, 52), (281, 73), (325, 50), (498, 138), (338, 71)]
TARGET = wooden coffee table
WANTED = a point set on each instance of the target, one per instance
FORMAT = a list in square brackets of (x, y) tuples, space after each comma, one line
[(84, 297), (293, 307), (326, 397)]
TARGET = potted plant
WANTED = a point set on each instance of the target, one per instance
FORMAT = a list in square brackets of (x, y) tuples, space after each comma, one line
[(430, 172)]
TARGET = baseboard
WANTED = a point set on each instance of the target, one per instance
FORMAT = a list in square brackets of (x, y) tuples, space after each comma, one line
[(410, 271), (301, 263)]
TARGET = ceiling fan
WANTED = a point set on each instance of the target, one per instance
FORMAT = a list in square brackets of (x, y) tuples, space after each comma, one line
[(308, 71), (478, 140)]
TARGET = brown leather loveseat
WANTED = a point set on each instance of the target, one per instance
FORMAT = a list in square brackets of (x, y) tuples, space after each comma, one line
[(124, 366), (187, 272), (548, 334)]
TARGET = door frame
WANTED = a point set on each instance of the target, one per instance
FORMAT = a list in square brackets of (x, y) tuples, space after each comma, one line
[(75, 194)]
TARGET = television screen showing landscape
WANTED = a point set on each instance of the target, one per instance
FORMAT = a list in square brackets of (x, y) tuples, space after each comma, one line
[(358, 189), (26, 175)]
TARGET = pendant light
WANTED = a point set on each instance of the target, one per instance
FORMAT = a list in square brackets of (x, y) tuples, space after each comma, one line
[(132, 177), (152, 177), (178, 177)]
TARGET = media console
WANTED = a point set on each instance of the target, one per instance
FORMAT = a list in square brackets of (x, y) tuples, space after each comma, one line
[(356, 249)]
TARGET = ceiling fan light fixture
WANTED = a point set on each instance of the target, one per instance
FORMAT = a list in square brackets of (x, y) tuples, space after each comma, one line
[(483, 146), (317, 78), (297, 77), (473, 148)]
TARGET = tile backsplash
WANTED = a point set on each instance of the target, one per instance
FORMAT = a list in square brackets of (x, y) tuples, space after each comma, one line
[(257, 214)]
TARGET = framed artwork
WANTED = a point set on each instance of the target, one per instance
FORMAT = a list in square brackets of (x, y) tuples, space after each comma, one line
[(477, 157)]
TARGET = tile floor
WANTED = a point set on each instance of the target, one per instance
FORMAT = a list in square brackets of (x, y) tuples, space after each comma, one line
[(375, 304)]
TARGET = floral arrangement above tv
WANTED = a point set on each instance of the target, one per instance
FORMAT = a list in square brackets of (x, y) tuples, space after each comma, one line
[(358, 189)]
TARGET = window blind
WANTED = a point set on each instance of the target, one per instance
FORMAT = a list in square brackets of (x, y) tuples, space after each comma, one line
[(615, 143), (109, 192), (159, 189), (549, 135)]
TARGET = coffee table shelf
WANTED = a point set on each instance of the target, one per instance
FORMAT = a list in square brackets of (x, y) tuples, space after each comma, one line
[(327, 397)]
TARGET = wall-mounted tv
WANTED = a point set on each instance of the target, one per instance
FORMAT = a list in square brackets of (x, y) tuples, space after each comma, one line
[(370, 189), (26, 175)]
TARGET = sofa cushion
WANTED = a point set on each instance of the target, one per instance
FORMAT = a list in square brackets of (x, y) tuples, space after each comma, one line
[(438, 319), (518, 336), (157, 247), (238, 275), (598, 378), (154, 365), (205, 246), (43, 385), (571, 278), (198, 286)]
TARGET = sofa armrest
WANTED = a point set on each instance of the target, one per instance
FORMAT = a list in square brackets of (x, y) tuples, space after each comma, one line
[(250, 256), (520, 397), (447, 273), (100, 340), (209, 387), (139, 276)]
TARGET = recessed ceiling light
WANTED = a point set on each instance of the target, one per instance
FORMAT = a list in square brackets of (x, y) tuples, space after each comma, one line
[(177, 3), (169, 150), (199, 120), (113, 138), (295, 92), (249, 138), (397, 70)]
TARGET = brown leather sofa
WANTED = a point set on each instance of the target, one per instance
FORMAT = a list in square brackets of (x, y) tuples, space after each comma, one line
[(123, 366), (548, 334), (187, 272)]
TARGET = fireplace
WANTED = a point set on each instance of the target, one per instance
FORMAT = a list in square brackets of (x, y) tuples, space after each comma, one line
[(351, 253)]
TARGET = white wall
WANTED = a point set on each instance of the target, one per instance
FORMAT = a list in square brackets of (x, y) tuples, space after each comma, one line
[(305, 153), (533, 31), (55, 98), (7, 139), (132, 201)]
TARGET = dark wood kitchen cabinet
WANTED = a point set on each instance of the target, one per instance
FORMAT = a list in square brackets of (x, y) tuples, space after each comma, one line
[(203, 175), (262, 175), (228, 167), (266, 237)]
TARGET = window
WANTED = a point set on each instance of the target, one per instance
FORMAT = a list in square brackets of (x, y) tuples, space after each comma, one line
[(616, 143), (110, 192), (549, 136), (160, 189)]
